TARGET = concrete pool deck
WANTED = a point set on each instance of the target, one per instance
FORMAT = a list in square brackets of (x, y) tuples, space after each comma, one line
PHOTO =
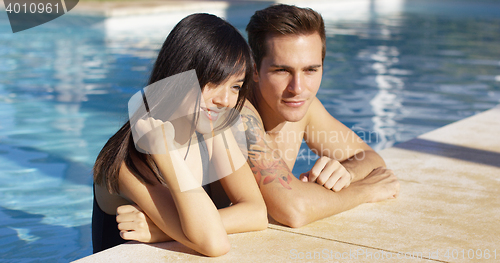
[(448, 211)]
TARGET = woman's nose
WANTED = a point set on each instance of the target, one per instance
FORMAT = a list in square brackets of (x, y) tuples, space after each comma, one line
[(223, 97)]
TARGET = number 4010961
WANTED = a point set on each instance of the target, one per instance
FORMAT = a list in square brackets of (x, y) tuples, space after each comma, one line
[(32, 8)]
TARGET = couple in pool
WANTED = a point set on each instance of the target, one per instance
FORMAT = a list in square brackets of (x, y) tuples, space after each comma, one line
[(211, 142)]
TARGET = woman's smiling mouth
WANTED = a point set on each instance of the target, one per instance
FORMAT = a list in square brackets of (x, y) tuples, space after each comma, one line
[(211, 114)]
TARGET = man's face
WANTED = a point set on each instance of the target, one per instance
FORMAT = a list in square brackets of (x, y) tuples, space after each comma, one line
[(289, 76)]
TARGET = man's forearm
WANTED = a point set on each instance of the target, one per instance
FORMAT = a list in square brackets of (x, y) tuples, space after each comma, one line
[(362, 164), (295, 203), (307, 202)]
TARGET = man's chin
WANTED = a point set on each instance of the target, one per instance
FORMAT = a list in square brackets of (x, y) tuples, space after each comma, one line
[(293, 116)]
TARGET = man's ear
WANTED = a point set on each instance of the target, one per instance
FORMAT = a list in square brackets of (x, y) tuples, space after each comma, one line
[(255, 73)]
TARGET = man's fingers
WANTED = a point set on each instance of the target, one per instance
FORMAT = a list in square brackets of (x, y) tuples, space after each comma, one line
[(329, 173), (343, 182), (318, 168), (385, 185), (330, 170), (397, 187), (304, 177), (331, 182), (348, 181)]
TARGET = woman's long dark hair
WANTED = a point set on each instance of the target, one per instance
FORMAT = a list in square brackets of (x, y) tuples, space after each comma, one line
[(203, 42)]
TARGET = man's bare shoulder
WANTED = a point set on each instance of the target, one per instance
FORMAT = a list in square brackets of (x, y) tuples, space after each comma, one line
[(249, 109), (251, 118)]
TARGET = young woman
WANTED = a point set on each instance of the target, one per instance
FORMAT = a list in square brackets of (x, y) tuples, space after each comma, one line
[(149, 160)]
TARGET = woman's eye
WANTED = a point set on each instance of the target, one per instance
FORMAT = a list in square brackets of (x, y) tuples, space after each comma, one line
[(237, 87)]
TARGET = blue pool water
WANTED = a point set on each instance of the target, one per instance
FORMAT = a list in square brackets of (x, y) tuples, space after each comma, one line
[(392, 72)]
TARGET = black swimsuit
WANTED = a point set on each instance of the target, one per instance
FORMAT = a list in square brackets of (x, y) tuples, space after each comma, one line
[(105, 233)]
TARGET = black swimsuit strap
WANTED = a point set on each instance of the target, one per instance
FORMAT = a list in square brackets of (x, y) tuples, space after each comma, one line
[(205, 158)]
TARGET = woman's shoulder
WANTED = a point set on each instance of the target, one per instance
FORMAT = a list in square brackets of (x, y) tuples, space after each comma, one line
[(107, 201)]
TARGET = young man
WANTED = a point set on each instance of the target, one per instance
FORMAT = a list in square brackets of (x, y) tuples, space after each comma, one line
[(289, 49)]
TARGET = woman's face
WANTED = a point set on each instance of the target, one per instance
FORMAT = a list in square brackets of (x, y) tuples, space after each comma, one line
[(217, 99)]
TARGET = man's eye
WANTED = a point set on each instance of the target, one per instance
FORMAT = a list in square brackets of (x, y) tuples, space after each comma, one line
[(312, 70), (280, 70)]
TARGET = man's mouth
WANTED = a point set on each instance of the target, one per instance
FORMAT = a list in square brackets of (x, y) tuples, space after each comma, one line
[(294, 103)]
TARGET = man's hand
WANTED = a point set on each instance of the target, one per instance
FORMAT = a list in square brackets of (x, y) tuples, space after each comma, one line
[(329, 173), (135, 225), (379, 185)]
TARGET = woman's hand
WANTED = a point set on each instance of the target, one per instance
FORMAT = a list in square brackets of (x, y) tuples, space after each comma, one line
[(154, 136), (134, 224)]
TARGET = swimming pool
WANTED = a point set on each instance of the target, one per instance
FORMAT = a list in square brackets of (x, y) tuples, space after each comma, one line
[(393, 70)]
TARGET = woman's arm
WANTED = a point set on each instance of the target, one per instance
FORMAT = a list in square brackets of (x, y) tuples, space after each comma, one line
[(247, 212), (182, 215)]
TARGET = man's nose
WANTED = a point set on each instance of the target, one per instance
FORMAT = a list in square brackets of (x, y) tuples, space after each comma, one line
[(295, 85)]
